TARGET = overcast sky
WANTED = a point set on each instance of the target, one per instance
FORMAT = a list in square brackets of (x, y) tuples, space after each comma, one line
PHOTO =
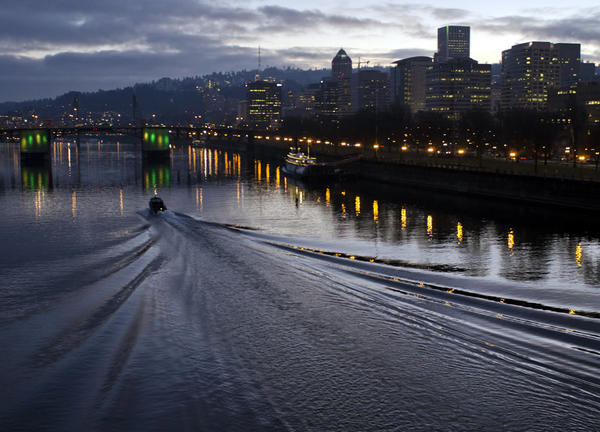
[(48, 47)]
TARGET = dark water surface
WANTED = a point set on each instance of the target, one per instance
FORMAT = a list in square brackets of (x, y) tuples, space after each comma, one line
[(259, 303)]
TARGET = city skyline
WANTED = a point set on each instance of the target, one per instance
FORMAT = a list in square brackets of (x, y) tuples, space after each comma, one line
[(88, 47)]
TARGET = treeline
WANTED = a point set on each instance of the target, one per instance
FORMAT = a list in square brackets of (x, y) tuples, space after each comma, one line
[(524, 133), (215, 96)]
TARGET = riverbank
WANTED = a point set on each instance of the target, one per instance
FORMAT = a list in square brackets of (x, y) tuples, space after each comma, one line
[(549, 185)]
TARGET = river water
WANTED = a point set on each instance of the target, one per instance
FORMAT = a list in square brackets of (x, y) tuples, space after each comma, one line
[(260, 303)]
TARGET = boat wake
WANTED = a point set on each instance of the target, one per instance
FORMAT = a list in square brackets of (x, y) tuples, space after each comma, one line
[(194, 324)]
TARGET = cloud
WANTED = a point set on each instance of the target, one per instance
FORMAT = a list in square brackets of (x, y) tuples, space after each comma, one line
[(47, 48), (575, 28), (406, 52), (23, 78)]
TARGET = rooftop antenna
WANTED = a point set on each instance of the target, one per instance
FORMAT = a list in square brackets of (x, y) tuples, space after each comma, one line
[(134, 108), (258, 70)]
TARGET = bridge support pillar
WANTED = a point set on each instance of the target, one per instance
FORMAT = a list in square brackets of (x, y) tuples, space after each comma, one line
[(35, 144)]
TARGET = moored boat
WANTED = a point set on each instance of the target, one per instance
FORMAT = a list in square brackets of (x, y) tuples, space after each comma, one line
[(306, 167), (299, 164)]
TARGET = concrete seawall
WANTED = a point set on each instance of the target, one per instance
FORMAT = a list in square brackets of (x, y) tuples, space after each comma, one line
[(573, 194), (378, 167)]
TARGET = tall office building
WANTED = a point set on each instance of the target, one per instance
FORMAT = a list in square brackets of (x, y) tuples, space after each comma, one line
[(530, 70), (453, 42), (587, 72), (326, 105), (457, 86), (569, 60), (370, 90), (341, 65), (264, 104), (341, 70), (409, 82), (585, 95)]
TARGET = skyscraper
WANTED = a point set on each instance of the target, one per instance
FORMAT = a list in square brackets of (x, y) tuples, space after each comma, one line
[(569, 60), (530, 70), (370, 90), (453, 42), (327, 99), (457, 86), (409, 82), (341, 65), (587, 72), (341, 70), (264, 103)]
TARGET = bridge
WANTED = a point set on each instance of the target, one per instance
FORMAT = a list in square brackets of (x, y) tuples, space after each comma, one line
[(35, 142)]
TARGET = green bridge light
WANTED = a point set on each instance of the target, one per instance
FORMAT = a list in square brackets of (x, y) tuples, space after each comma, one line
[(156, 139), (35, 141)]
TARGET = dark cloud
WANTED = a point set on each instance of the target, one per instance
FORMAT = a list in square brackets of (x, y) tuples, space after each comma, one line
[(411, 14), (22, 79), (448, 13), (50, 47), (571, 29), (309, 19), (406, 52)]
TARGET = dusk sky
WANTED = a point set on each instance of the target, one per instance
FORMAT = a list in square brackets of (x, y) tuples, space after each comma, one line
[(48, 48)]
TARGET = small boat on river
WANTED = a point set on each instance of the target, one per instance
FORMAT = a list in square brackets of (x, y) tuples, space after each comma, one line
[(156, 204)]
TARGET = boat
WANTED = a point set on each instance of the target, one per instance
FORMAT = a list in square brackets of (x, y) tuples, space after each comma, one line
[(199, 142), (156, 204), (306, 167), (299, 164)]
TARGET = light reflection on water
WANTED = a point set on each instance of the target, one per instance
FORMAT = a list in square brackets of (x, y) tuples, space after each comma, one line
[(236, 187)]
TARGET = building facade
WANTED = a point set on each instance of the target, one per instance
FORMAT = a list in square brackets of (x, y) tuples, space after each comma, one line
[(457, 86), (409, 83), (264, 104), (341, 71), (370, 90), (326, 105), (531, 70), (569, 61), (453, 42), (584, 96), (587, 72)]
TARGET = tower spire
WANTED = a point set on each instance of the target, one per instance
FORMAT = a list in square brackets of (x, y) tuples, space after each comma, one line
[(257, 76)]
